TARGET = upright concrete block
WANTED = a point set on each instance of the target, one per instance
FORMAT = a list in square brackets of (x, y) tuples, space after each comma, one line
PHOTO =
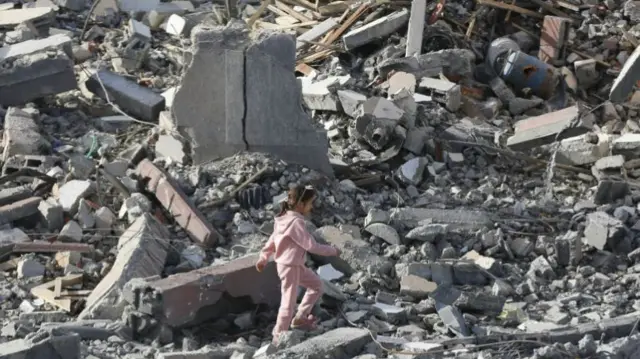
[(242, 94), (416, 28), (138, 101)]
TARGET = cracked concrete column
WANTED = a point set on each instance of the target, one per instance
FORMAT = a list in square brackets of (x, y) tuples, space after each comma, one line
[(240, 93)]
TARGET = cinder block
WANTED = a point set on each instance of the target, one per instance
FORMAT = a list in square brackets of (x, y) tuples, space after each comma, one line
[(138, 101)]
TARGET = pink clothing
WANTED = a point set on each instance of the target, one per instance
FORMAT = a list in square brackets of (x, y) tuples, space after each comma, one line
[(290, 241), (288, 244), (290, 278)]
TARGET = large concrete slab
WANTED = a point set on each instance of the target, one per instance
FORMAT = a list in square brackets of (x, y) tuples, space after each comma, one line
[(336, 343), (627, 78), (34, 69), (550, 127), (187, 299), (142, 251), (416, 28), (457, 218), (240, 93), (43, 345)]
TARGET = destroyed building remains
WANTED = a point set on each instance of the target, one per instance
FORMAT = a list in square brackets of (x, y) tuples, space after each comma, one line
[(476, 163)]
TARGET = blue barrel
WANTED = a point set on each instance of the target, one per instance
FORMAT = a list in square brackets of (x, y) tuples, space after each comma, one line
[(523, 71)]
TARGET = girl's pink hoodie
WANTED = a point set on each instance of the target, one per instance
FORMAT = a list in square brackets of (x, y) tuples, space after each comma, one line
[(290, 241)]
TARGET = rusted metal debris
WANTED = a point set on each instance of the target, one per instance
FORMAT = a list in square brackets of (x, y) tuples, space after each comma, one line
[(187, 299), (169, 194)]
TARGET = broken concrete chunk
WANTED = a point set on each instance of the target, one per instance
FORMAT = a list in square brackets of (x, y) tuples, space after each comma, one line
[(171, 148), (28, 268), (548, 128), (225, 282), (376, 29), (411, 172), (384, 231), (581, 150), (609, 191), (347, 342), (44, 345), (321, 95), (350, 101), (356, 254), (452, 319), (142, 251), (34, 69), (40, 17), (19, 210), (21, 135), (71, 192), (416, 28), (71, 232), (603, 229), (445, 92), (265, 116), (140, 102), (416, 287)]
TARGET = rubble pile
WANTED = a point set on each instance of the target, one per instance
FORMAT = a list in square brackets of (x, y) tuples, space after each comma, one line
[(475, 162)]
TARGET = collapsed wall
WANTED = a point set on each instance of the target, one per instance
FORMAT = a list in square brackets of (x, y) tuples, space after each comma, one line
[(240, 93)]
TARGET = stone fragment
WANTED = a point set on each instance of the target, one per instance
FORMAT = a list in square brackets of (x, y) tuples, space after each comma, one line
[(401, 81), (452, 319), (19, 210), (376, 29), (603, 229), (384, 231), (265, 116), (428, 232), (142, 251), (582, 150), (411, 172), (416, 287), (350, 101), (322, 95), (41, 18), (170, 147), (104, 218), (586, 73), (28, 268), (609, 191), (327, 272), (71, 232), (71, 192)]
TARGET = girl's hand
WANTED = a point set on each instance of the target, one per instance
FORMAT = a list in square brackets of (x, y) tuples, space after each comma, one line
[(260, 264)]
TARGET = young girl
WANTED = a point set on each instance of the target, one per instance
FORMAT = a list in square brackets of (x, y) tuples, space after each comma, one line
[(288, 244)]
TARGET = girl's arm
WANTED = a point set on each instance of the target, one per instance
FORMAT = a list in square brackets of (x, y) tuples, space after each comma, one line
[(299, 234), (269, 249)]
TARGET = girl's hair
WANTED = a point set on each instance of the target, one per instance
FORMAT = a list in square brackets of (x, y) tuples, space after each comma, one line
[(296, 195)]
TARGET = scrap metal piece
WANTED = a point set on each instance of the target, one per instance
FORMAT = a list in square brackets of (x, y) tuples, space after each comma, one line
[(173, 199), (187, 299)]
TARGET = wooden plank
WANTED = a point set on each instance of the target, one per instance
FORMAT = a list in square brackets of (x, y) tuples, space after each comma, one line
[(258, 13), (46, 291), (286, 8), (510, 7), (271, 26)]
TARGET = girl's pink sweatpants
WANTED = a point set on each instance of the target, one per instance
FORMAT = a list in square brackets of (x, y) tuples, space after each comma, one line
[(290, 278)]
